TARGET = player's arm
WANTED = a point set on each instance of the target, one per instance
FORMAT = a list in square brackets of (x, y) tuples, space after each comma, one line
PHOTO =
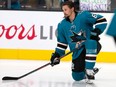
[(61, 46), (99, 23)]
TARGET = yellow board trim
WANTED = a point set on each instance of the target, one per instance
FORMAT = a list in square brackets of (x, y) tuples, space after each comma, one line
[(106, 57), (24, 54)]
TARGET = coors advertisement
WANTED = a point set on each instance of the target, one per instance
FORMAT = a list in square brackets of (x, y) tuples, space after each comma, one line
[(28, 29)]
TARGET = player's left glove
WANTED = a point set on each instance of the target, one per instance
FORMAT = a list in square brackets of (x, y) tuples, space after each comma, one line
[(55, 59), (95, 34)]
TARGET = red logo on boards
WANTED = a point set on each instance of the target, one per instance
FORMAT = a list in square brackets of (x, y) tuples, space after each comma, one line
[(10, 32)]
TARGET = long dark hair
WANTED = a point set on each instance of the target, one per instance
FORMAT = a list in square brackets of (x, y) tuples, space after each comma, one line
[(70, 4)]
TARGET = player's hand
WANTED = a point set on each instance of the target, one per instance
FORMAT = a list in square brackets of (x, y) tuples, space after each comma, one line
[(95, 34), (97, 38), (55, 59), (79, 44)]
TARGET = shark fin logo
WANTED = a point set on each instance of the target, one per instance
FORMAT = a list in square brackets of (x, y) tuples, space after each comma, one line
[(77, 37)]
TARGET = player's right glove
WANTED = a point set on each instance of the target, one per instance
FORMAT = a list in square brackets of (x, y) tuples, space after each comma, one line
[(55, 59)]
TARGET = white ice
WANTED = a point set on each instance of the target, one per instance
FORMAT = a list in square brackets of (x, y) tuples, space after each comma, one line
[(57, 76)]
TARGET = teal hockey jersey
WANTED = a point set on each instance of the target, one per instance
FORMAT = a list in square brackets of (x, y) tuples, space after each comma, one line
[(111, 29), (82, 25)]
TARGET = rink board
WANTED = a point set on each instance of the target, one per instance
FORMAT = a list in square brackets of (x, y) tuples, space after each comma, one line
[(46, 54), (31, 37)]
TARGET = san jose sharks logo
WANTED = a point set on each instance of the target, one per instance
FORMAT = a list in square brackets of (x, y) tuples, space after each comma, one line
[(76, 37)]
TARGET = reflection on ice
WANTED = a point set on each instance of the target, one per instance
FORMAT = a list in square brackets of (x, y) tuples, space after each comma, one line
[(37, 83)]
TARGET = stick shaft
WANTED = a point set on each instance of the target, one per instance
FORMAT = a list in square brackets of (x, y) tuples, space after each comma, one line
[(34, 70), (46, 64)]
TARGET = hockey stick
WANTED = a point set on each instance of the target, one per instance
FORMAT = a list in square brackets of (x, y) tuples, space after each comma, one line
[(16, 78)]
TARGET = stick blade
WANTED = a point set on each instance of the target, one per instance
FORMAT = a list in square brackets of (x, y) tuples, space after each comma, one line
[(10, 78)]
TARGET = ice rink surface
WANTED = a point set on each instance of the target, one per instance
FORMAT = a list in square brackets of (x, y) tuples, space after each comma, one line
[(57, 76)]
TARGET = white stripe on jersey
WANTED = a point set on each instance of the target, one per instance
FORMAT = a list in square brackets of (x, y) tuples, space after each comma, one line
[(100, 23), (90, 61), (60, 48), (91, 55), (62, 44)]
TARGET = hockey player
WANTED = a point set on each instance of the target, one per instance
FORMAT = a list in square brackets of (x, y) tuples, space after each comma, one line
[(79, 30), (112, 27)]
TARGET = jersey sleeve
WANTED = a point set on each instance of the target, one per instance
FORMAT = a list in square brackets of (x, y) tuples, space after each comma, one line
[(111, 28), (61, 40), (97, 20)]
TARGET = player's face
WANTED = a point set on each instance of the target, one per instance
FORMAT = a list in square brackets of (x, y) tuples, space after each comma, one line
[(67, 11)]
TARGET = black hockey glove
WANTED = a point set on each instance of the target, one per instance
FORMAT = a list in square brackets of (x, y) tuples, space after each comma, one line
[(95, 34), (55, 59)]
